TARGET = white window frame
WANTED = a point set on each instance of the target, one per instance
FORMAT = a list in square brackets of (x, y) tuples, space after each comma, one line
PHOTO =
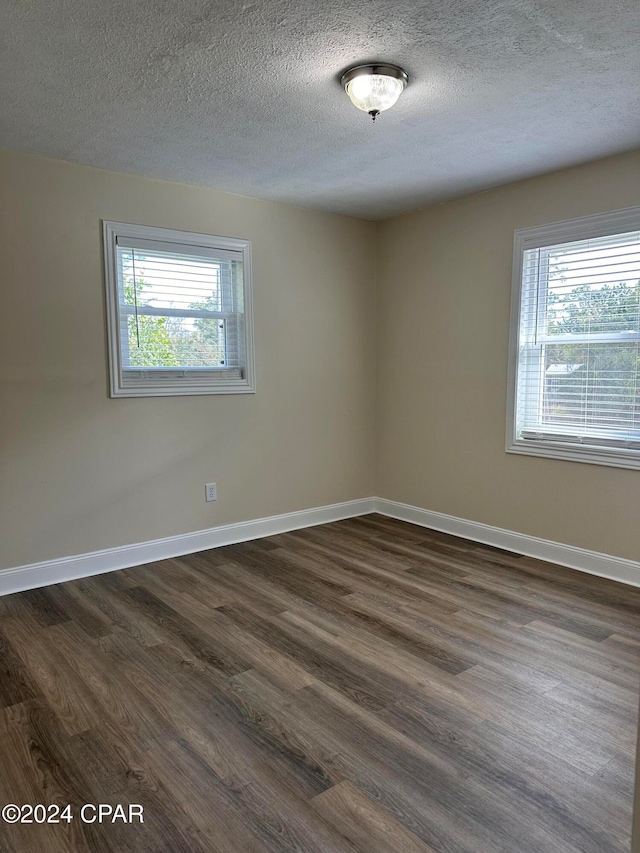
[(174, 381), (586, 227)]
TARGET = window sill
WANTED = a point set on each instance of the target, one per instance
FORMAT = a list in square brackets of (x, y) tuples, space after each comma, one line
[(570, 452), (186, 389)]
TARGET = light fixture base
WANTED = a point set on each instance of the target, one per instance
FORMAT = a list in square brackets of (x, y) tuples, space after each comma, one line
[(385, 69)]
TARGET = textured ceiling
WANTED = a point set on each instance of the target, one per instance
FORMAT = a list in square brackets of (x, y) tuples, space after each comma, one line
[(244, 96)]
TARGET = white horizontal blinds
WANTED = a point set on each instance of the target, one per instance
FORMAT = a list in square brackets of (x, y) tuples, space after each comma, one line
[(579, 347), (180, 310)]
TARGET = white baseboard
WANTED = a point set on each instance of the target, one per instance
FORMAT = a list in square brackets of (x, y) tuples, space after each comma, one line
[(125, 556), (592, 562)]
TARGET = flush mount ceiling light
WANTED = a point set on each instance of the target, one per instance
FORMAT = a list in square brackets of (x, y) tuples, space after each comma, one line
[(374, 88)]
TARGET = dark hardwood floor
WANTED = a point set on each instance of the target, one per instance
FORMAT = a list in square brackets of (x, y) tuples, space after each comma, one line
[(362, 686)]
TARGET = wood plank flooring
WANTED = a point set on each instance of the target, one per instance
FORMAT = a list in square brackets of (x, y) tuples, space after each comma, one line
[(363, 686)]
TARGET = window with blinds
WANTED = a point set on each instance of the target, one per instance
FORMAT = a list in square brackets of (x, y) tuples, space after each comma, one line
[(576, 340), (179, 312)]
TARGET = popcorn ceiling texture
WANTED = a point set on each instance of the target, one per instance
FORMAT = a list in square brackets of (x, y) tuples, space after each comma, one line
[(244, 96)]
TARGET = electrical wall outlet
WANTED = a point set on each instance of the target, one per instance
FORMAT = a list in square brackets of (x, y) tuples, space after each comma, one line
[(211, 492)]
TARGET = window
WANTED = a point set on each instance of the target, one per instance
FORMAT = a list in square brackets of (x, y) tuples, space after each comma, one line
[(574, 380), (179, 312)]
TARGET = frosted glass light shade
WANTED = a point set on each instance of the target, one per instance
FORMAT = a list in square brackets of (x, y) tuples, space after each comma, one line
[(374, 88), (374, 92)]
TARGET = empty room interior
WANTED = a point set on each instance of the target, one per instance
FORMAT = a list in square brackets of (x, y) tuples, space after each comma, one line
[(320, 426)]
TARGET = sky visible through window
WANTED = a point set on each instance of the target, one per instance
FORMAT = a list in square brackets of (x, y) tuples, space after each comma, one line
[(592, 310), (172, 304)]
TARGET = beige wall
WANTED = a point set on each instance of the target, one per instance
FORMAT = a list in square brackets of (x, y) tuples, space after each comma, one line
[(443, 297), (79, 471)]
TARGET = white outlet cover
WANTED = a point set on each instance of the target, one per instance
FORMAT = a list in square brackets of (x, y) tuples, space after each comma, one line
[(211, 492)]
